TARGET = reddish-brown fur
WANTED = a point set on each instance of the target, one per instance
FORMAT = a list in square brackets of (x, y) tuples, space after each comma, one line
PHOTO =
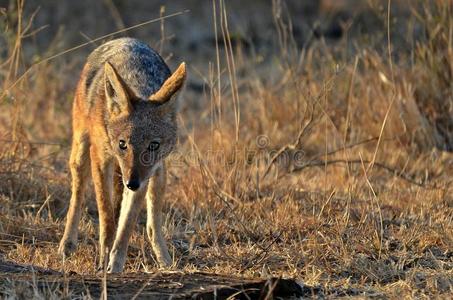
[(116, 111)]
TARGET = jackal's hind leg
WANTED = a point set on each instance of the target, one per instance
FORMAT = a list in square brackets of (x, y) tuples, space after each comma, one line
[(80, 170), (154, 204)]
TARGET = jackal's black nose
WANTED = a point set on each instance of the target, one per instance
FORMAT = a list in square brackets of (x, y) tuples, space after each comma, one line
[(133, 184)]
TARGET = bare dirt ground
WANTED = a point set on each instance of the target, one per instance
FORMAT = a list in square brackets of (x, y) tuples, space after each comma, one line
[(315, 144), (25, 282)]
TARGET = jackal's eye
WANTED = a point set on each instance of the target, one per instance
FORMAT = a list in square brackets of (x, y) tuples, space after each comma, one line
[(122, 145), (153, 146)]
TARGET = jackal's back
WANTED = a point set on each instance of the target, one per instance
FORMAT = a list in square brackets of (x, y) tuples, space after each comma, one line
[(142, 68)]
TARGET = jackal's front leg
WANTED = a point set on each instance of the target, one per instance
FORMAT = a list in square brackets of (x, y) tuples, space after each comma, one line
[(118, 189), (80, 169), (131, 206), (102, 172), (154, 203)]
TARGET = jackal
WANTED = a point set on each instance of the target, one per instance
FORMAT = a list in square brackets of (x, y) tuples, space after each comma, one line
[(124, 125)]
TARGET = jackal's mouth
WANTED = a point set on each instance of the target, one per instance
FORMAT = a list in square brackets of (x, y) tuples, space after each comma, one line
[(133, 182)]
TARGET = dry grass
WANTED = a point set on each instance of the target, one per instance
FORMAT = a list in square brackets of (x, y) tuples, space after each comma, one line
[(327, 163)]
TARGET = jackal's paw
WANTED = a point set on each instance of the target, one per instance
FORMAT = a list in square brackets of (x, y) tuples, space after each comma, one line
[(164, 261), (114, 268), (116, 262), (102, 264), (100, 269), (66, 248)]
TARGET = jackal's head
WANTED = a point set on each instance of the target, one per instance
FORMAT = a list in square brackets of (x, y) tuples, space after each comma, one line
[(142, 131)]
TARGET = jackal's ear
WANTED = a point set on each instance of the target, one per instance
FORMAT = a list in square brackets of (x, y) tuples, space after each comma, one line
[(118, 95), (171, 85)]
